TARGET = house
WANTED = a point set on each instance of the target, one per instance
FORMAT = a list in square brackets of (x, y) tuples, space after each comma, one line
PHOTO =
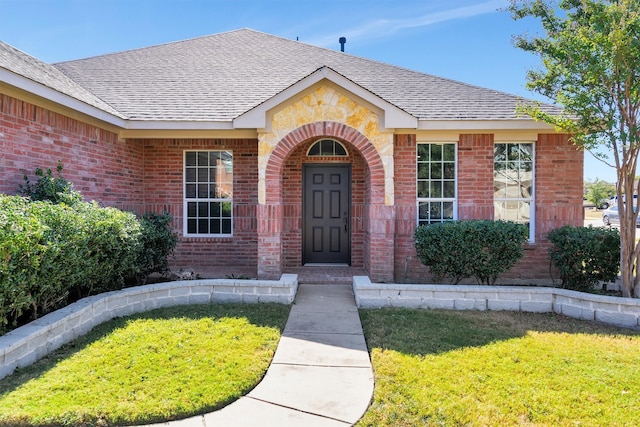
[(272, 154)]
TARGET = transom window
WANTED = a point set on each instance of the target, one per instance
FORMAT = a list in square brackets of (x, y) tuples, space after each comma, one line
[(208, 193), (437, 186), (327, 147), (513, 183)]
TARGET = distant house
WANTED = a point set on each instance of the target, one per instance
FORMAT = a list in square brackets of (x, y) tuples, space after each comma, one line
[(272, 154)]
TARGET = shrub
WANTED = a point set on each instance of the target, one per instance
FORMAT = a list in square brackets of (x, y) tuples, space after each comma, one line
[(48, 251), (54, 246), (477, 248), (56, 190), (157, 242), (585, 255), (110, 239), (21, 251)]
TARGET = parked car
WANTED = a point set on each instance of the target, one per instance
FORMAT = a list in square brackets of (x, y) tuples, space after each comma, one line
[(614, 200), (611, 216)]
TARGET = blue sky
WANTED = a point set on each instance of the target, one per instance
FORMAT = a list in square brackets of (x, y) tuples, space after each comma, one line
[(464, 40)]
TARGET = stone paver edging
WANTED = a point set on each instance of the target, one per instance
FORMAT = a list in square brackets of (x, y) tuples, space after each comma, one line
[(624, 312), (25, 345)]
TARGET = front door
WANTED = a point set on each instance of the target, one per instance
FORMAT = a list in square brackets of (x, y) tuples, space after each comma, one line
[(326, 202)]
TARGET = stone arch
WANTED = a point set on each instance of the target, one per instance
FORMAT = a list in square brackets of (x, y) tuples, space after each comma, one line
[(379, 219), (332, 130)]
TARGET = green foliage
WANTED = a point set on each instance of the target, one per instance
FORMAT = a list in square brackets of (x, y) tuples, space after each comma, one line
[(590, 60), (585, 256), (49, 251), (157, 242), (599, 192), (479, 248), (47, 187), (54, 246)]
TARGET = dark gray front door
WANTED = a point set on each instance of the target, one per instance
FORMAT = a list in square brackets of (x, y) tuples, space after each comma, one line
[(326, 202)]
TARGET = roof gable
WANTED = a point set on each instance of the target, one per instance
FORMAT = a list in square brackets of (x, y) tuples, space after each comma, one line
[(391, 116)]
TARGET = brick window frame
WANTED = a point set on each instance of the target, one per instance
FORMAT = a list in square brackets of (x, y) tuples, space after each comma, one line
[(437, 182), (208, 193), (514, 183)]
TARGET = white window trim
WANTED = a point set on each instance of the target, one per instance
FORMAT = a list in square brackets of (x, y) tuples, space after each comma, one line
[(438, 199), (185, 228), (327, 155), (532, 206)]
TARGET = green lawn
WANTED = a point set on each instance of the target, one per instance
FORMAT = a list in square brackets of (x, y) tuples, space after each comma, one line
[(160, 365), (432, 368), (444, 368)]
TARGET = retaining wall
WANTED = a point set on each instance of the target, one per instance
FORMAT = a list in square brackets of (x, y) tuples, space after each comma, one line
[(25, 345), (624, 312)]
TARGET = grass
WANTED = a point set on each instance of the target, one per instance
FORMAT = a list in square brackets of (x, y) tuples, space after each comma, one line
[(443, 368), (164, 364), (590, 213)]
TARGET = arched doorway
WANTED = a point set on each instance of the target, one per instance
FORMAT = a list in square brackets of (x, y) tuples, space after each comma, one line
[(280, 219)]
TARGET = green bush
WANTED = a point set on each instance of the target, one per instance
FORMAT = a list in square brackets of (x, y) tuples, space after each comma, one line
[(585, 255), (476, 248), (49, 251), (110, 240), (56, 190), (157, 242), (22, 247), (54, 247)]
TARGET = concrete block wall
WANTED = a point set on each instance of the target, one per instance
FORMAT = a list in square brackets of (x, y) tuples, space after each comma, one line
[(25, 345), (624, 312)]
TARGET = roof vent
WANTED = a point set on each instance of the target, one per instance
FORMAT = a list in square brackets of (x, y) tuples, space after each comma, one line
[(342, 41)]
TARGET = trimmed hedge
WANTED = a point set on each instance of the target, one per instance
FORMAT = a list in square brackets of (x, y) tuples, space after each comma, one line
[(51, 251), (482, 249), (585, 256), (51, 254)]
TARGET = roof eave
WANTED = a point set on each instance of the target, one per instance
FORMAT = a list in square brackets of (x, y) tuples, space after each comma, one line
[(43, 91), (178, 125), (484, 124)]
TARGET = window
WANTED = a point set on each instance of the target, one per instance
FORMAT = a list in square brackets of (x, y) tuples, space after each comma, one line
[(513, 183), (437, 188), (208, 193), (327, 147)]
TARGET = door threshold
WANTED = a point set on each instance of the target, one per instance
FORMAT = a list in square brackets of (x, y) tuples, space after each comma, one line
[(319, 264)]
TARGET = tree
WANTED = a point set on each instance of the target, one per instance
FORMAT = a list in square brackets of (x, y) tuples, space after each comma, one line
[(590, 52), (599, 192)]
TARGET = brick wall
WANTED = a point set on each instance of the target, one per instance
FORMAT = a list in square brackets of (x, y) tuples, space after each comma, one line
[(559, 171), (163, 188), (99, 165), (146, 175)]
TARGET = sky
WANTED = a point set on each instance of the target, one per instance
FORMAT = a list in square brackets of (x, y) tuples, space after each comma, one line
[(465, 40)]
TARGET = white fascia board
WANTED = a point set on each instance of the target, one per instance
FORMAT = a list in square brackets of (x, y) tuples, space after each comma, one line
[(472, 125), (177, 125), (256, 118), (53, 95)]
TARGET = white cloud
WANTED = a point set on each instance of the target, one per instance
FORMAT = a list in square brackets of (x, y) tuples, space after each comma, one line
[(386, 27)]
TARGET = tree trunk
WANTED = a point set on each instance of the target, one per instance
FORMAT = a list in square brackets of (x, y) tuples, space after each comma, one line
[(628, 246)]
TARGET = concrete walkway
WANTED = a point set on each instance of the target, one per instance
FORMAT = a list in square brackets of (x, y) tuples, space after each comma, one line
[(321, 374)]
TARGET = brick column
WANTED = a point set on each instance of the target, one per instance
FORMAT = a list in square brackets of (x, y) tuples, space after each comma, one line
[(269, 219), (381, 242)]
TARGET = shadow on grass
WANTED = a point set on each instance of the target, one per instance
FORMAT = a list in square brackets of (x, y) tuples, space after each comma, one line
[(260, 315), (423, 332)]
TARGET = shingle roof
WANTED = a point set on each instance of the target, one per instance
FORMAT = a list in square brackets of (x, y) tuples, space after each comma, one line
[(47, 75), (219, 77)]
